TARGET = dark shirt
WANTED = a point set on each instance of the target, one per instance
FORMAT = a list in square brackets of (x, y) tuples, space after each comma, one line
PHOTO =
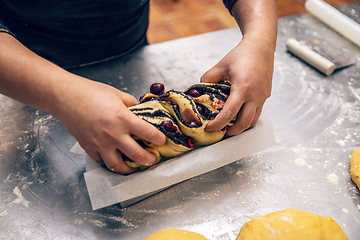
[(75, 32), (72, 33), (228, 4)]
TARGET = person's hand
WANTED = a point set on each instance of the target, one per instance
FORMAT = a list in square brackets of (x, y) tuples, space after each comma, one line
[(249, 69), (96, 115)]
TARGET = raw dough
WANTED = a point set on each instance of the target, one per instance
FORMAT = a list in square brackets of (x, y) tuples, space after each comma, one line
[(175, 234), (291, 224), (355, 167)]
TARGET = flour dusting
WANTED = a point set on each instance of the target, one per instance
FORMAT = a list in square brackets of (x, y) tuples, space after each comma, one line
[(4, 213), (300, 162), (20, 200), (333, 178), (239, 172), (287, 219)]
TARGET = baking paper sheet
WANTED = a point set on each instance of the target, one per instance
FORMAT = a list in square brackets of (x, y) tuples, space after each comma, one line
[(106, 188)]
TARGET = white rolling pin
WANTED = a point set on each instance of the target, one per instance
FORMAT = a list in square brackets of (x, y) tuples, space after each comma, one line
[(335, 19), (314, 59)]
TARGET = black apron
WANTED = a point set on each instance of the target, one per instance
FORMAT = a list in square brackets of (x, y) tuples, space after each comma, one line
[(71, 33)]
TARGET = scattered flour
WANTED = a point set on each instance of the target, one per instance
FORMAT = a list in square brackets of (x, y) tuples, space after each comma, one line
[(98, 223), (20, 199), (333, 178), (300, 162), (296, 150), (239, 172), (287, 219), (78, 221), (4, 213), (122, 220)]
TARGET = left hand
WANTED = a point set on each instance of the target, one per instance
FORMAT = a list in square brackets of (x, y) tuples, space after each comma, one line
[(249, 69)]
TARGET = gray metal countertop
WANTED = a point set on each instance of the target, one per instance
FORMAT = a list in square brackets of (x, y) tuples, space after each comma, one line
[(316, 123)]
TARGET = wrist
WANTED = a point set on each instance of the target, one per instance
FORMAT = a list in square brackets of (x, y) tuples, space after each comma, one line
[(65, 93), (261, 41), (257, 20)]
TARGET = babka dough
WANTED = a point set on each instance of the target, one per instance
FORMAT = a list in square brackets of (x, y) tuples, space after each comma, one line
[(175, 234), (291, 224), (355, 167), (187, 113)]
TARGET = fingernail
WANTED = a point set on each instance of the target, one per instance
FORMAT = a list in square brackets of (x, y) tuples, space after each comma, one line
[(209, 129), (149, 164)]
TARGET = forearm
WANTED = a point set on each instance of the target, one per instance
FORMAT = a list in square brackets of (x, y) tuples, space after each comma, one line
[(257, 18), (28, 78)]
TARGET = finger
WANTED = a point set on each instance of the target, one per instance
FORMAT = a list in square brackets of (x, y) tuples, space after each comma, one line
[(147, 131), (257, 115), (230, 110), (115, 163), (213, 75), (135, 152), (128, 99), (245, 118), (94, 155)]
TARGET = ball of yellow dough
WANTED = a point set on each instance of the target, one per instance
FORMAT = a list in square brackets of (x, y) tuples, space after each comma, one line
[(355, 167), (291, 224), (175, 234)]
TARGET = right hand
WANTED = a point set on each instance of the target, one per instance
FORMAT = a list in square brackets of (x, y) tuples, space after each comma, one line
[(96, 115)]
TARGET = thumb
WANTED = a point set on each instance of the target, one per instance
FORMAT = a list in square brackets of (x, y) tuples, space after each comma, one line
[(213, 75)]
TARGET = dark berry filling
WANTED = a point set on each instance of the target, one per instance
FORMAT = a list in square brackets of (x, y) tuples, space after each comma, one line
[(200, 109), (193, 124), (157, 88), (195, 92), (220, 91), (148, 99), (190, 142), (176, 107), (168, 125)]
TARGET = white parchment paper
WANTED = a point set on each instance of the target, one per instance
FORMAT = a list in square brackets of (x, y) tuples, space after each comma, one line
[(107, 188)]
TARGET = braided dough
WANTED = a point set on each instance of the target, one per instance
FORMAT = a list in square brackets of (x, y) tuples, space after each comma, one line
[(182, 117)]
